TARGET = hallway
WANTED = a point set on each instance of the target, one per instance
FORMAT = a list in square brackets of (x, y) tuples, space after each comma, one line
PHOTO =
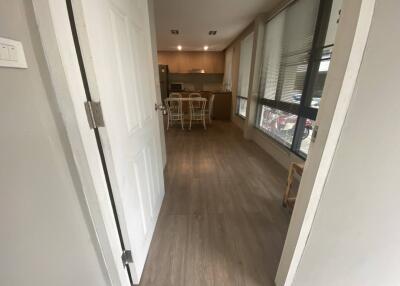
[(221, 222)]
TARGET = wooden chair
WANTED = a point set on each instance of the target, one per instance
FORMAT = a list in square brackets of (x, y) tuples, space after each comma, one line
[(209, 108), (289, 201), (174, 109), (196, 104), (197, 107)]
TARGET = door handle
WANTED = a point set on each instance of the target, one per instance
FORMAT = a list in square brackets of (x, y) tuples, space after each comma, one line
[(160, 107)]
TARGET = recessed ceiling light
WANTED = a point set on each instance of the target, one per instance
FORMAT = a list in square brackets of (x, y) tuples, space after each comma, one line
[(212, 32), (205, 48), (179, 47)]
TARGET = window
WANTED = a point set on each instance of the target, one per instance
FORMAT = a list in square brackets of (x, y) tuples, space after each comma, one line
[(228, 70), (298, 44), (242, 106), (246, 51)]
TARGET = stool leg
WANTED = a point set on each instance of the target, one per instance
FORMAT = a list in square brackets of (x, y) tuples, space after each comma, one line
[(288, 186), (190, 121)]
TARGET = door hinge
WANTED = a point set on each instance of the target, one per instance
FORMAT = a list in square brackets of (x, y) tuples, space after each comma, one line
[(339, 15), (126, 257), (94, 114), (314, 134)]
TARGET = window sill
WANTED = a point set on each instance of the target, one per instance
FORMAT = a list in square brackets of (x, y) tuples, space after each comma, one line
[(240, 116)]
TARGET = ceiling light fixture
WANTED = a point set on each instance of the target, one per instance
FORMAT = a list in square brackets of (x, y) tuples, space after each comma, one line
[(212, 32), (175, 32), (205, 48), (179, 47)]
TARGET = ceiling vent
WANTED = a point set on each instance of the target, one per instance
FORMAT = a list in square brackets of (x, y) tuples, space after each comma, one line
[(175, 32), (212, 33)]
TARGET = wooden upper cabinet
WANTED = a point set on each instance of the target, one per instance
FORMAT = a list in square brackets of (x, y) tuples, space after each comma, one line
[(185, 62)]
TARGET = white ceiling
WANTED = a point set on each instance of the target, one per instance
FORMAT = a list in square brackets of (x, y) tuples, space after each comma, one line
[(194, 18)]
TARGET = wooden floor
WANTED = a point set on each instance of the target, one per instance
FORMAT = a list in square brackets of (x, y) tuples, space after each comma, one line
[(221, 222)]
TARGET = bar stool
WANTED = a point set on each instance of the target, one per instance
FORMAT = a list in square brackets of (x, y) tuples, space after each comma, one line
[(209, 107), (197, 108), (174, 109)]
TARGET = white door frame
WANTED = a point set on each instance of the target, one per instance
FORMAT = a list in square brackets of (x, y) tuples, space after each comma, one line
[(351, 39)]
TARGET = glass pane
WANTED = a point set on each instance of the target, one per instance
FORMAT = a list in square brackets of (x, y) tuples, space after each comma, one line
[(242, 106), (318, 82), (278, 124), (306, 136)]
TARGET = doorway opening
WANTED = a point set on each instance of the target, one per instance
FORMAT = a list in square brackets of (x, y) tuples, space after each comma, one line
[(229, 198)]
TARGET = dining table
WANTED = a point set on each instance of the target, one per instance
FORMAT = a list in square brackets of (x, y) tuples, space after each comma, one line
[(185, 107), (186, 99)]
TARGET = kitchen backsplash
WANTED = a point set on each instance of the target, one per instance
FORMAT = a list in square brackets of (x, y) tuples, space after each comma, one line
[(198, 81)]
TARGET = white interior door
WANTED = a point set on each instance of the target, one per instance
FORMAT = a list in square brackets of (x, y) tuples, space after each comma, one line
[(116, 45)]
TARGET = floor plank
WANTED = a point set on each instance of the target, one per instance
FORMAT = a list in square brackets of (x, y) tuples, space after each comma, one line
[(221, 222)]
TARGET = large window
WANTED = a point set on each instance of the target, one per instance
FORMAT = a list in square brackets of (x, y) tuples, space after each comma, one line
[(298, 43), (246, 50)]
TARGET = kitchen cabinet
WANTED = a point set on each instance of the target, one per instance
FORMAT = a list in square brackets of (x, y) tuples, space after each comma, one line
[(188, 62), (222, 105)]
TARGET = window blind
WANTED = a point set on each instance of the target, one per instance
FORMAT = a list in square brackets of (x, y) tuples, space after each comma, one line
[(287, 48), (228, 69), (246, 50)]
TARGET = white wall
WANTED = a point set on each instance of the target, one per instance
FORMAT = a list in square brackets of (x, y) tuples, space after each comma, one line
[(46, 237), (355, 238)]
